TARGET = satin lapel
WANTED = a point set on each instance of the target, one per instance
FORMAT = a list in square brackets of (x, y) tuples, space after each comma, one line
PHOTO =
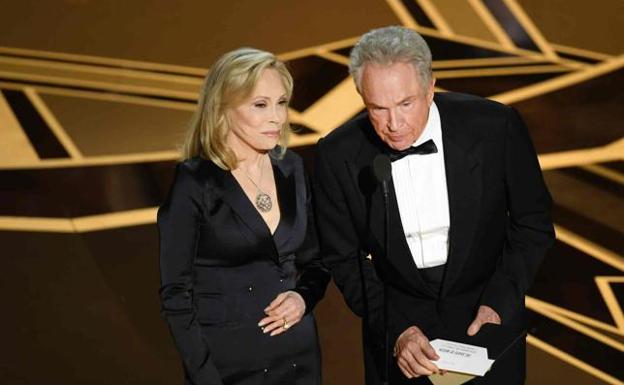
[(399, 255), (234, 196), (290, 195), (463, 180)]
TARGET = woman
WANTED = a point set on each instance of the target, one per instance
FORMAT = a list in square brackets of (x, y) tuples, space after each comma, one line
[(240, 270)]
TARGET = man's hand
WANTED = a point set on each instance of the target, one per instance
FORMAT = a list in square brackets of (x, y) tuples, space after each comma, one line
[(485, 315), (414, 353)]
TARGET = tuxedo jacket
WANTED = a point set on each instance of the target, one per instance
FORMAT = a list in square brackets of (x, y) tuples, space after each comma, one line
[(221, 266), (500, 226)]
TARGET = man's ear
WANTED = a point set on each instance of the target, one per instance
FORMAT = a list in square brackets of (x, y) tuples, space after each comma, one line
[(431, 90)]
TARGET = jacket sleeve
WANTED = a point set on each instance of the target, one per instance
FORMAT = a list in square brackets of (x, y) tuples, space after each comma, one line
[(314, 276), (529, 226), (178, 221), (341, 247)]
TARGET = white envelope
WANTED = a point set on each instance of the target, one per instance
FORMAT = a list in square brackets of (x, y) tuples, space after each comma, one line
[(461, 358)]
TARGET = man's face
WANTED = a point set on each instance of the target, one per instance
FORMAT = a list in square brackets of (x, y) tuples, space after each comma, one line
[(397, 102)]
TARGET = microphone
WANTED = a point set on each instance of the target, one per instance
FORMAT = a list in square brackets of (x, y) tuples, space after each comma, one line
[(382, 169)]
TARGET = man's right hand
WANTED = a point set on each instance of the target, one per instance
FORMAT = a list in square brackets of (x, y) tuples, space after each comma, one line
[(414, 354)]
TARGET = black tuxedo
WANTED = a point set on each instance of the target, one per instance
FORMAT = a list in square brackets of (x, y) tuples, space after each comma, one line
[(500, 228), (221, 266)]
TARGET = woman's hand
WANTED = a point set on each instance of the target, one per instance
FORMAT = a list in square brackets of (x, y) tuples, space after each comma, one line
[(283, 313)]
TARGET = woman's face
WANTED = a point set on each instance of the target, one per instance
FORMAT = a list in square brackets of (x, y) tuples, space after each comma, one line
[(257, 122)]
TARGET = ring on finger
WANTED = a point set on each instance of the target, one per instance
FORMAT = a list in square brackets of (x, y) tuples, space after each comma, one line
[(286, 324)]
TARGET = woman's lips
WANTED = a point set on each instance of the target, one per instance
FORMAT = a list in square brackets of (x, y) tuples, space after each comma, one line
[(271, 134)]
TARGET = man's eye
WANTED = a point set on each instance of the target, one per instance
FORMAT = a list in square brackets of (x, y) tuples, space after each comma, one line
[(407, 104)]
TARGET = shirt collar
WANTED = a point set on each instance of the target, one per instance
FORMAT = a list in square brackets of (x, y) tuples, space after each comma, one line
[(433, 128)]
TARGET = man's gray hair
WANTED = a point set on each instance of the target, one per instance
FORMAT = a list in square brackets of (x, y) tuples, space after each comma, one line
[(389, 45)]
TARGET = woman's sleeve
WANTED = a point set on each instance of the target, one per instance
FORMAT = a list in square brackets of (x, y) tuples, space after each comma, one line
[(314, 276), (178, 222)]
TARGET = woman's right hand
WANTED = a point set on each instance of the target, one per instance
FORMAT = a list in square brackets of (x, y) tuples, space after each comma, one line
[(283, 312)]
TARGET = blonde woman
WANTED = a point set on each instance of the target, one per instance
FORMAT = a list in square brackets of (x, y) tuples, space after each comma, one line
[(240, 270)]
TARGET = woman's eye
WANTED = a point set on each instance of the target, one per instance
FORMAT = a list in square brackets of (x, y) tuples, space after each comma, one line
[(283, 102), (260, 105)]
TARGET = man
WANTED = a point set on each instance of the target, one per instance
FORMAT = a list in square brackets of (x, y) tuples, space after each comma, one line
[(468, 219)]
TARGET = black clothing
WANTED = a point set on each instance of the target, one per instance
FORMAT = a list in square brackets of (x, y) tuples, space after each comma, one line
[(500, 229), (221, 266)]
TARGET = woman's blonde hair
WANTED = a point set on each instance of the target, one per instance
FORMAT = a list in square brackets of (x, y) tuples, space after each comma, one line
[(231, 80)]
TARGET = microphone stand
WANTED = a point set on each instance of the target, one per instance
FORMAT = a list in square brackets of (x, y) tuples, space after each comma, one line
[(382, 168), (386, 381)]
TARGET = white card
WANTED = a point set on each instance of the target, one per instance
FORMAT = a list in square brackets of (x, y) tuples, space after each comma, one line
[(461, 358)]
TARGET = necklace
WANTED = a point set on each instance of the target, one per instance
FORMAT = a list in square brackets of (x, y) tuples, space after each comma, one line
[(263, 200)]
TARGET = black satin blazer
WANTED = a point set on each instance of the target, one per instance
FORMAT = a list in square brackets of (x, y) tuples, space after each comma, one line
[(221, 266)]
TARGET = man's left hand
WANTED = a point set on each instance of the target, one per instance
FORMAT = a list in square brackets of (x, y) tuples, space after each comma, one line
[(485, 315)]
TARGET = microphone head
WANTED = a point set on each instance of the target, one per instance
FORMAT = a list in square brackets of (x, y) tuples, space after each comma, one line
[(382, 168)]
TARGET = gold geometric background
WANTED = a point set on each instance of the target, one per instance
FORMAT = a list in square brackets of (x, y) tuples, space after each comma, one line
[(85, 90)]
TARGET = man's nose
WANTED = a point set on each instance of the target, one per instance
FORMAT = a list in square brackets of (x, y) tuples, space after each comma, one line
[(395, 120)]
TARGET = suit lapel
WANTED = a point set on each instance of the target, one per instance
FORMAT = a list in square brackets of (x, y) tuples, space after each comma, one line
[(399, 255), (463, 180), (289, 194), (234, 196)]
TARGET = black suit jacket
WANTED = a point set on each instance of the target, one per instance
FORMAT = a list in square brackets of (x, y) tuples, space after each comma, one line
[(500, 226), (220, 267)]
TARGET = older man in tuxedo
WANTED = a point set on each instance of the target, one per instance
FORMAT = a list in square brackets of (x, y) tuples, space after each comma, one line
[(468, 215)]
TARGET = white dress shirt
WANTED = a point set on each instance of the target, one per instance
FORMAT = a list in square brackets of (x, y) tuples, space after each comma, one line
[(422, 197)]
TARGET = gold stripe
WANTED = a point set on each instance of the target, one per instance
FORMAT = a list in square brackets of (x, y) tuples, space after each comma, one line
[(581, 52), (53, 123), (402, 13), (531, 29), (141, 65), (605, 173), (15, 143), (610, 152), (481, 62), (589, 332), (339, 44), (106, 96), (436, 17), (500, 71), (331, 46), (331, 56), (492, 24), (610, 299), (545, 307), (115, 220), (590, 248), (560, 82), (482, 43), (565, 357), (334, 108), (36, 224), (104, 160), (82, 224), (100, 85), (94, 69)]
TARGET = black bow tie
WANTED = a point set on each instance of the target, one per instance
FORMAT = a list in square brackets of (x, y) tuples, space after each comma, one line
[(428, 147)]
